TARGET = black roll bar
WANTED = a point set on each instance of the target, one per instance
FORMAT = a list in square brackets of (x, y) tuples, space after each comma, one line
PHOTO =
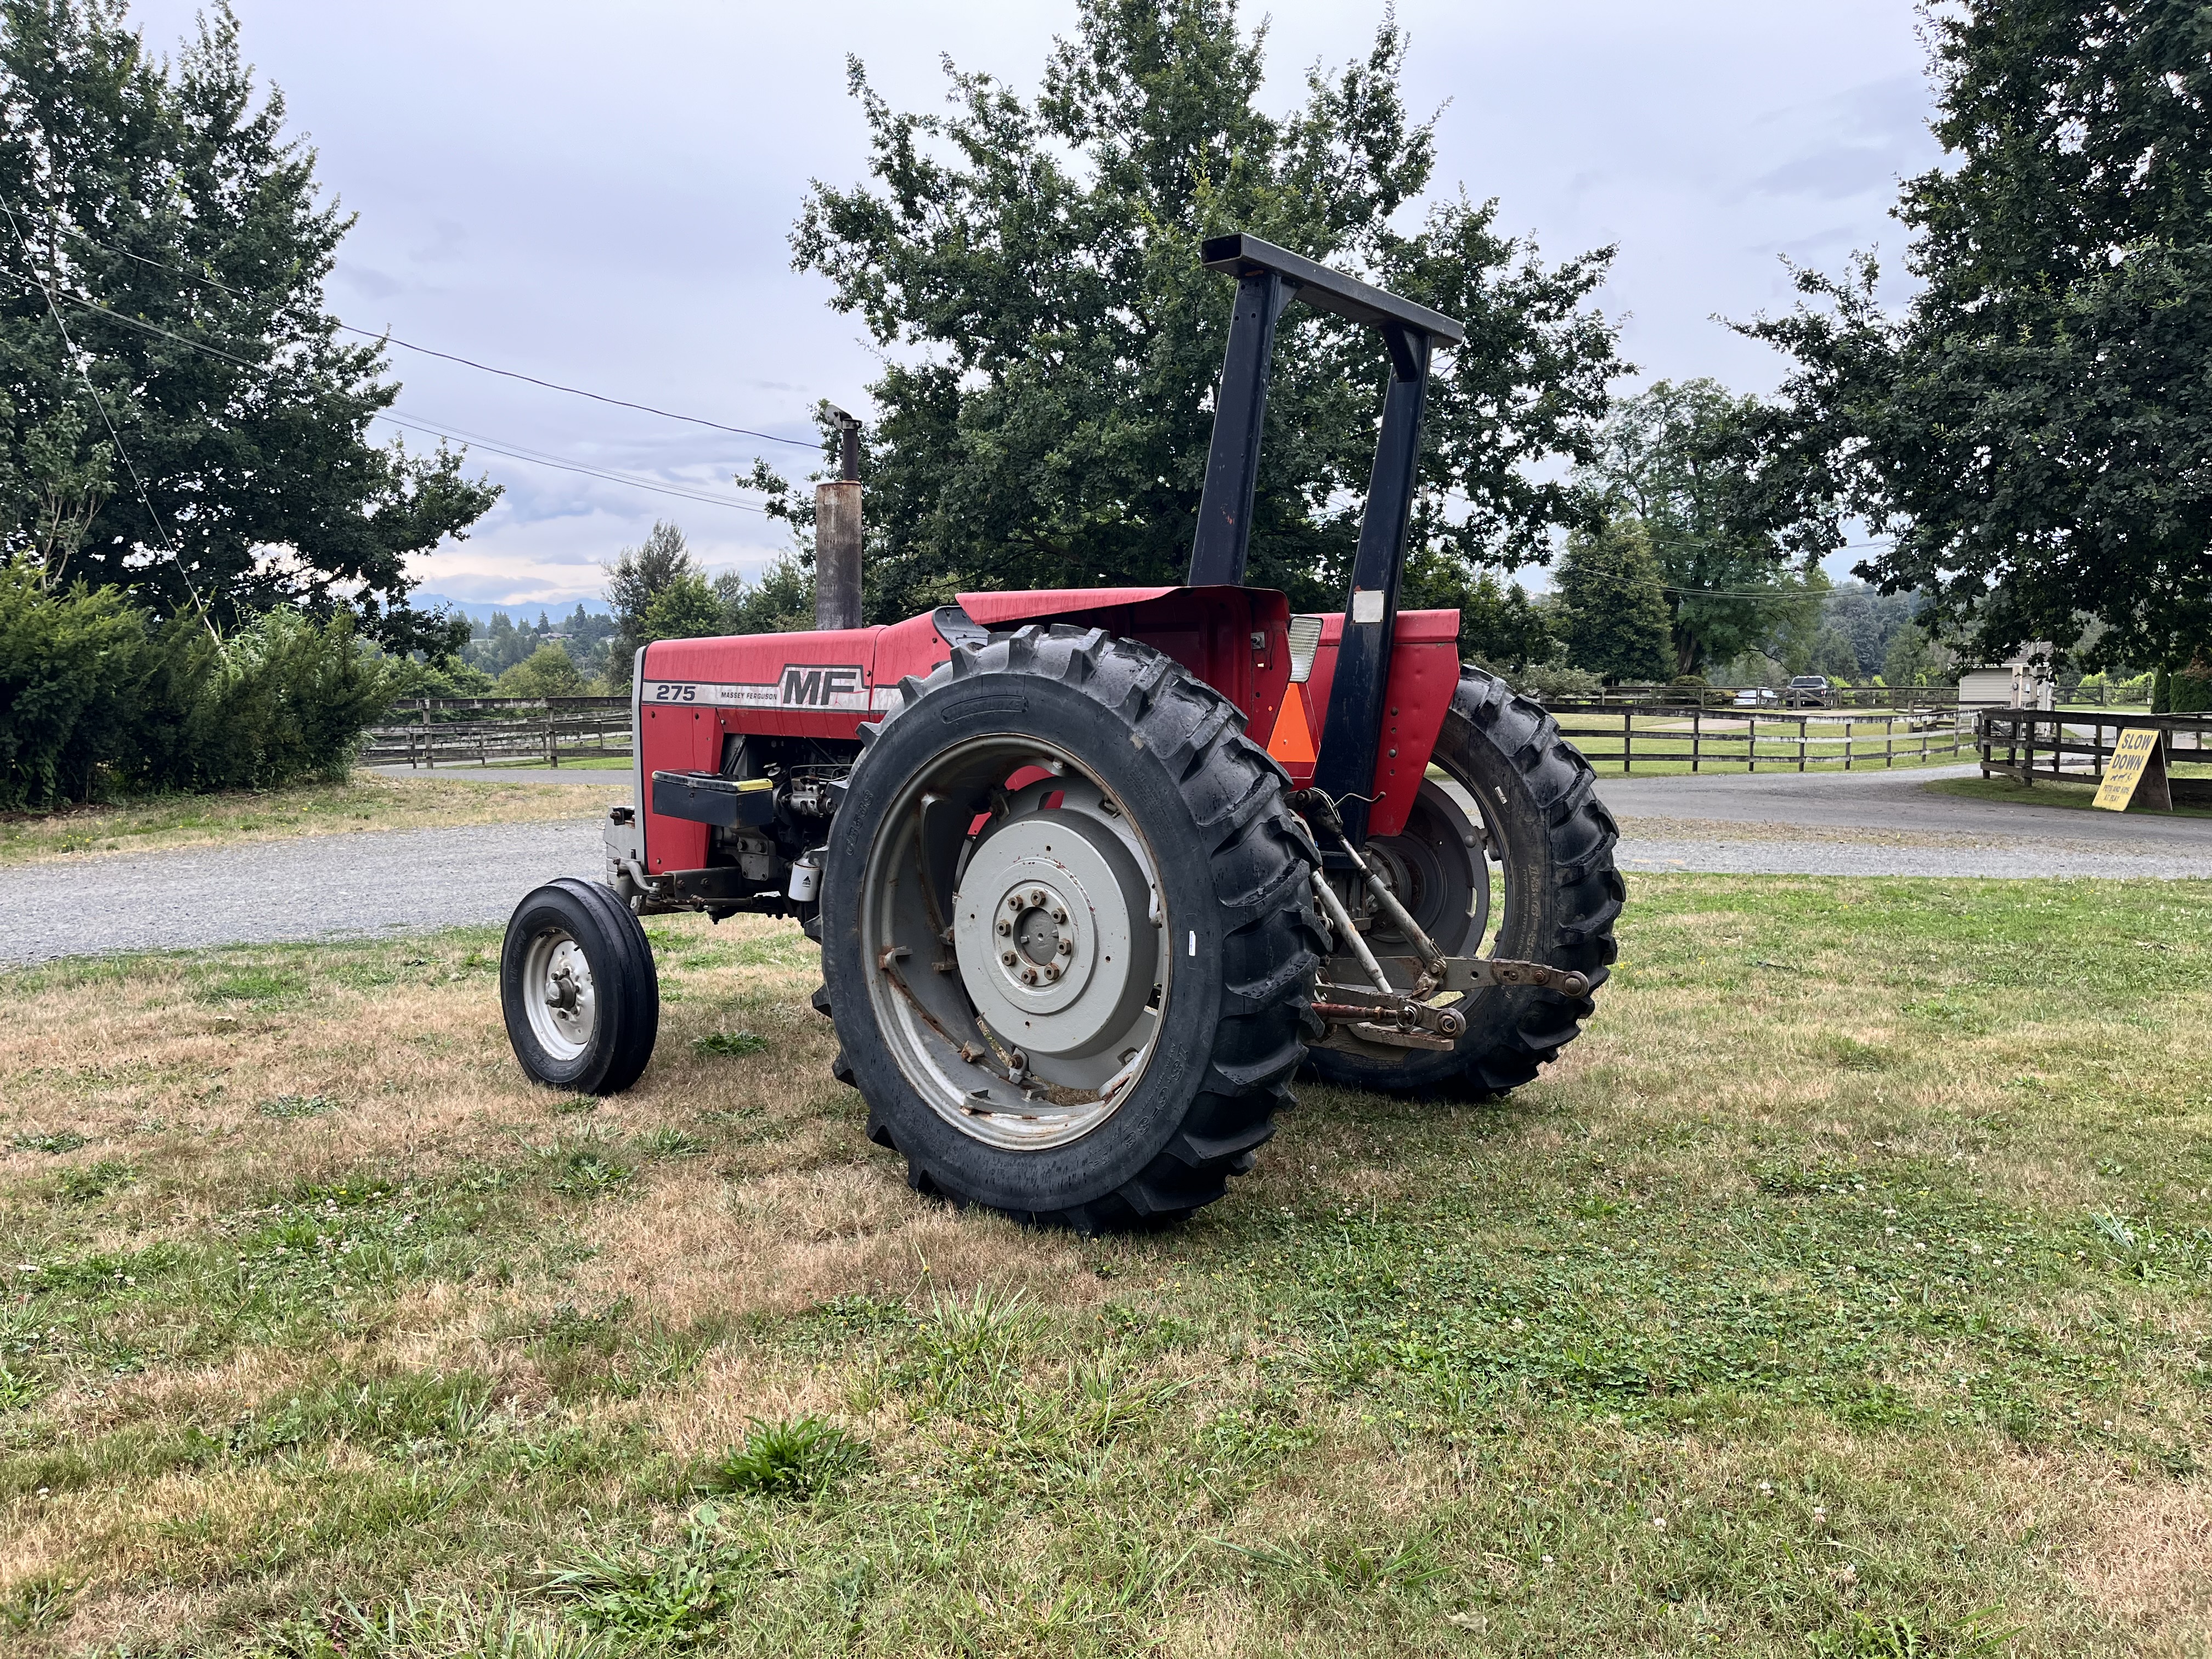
[(1268, 278)]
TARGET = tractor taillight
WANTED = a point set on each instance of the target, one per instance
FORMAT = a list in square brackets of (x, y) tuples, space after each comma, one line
[(1306, 640)]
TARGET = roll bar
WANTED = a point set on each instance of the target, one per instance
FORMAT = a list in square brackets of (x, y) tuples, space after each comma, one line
[(1268, 278)]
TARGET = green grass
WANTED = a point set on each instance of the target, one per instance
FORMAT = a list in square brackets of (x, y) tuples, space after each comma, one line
[(2081, 797), (1845, 1291)]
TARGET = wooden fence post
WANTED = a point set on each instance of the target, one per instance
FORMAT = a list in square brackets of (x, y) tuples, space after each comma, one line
[(1627, 739), (1751, 743), (1697, 717)]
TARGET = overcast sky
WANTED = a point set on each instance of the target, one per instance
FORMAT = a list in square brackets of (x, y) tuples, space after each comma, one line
[(601, 195)]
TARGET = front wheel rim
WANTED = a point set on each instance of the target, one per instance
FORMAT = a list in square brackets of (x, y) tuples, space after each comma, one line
[(559, 996), (1014, 942)]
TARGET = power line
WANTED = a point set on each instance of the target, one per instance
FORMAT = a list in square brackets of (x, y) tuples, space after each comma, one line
[(115, 437), (451, 432), (466, 363), (491, 445)]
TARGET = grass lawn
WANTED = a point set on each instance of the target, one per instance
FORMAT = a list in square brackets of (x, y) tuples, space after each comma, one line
[(2082, 796), (1843, 1291), (368, 801)]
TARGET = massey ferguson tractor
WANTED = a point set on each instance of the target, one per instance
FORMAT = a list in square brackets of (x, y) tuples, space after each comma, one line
[(1095, 871)]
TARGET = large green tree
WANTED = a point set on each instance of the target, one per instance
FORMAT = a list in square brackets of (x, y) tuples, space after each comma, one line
[(1612, 616), (162, 257), (1734, 504), (2034, 426), (1030, 268)]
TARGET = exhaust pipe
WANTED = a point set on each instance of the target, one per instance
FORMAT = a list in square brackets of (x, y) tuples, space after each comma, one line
[(837, 535)]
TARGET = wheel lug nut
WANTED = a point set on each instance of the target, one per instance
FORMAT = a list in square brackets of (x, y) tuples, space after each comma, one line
[(1006, 926), (1006, 956), (1067, 946), (1029, 975), (1052, 971), (1036, 897), (1059, 915)]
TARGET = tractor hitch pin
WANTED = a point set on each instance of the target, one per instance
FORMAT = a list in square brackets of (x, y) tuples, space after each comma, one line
[(1433, 968)]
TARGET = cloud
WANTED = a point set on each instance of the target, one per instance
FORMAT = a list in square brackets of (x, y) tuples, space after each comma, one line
[(1833, 174), (373, 282)]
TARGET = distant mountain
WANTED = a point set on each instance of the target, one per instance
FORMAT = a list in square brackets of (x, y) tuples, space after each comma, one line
[(518, 610)]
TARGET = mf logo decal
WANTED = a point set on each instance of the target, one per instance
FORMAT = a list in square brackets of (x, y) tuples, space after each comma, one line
[(813, 685)]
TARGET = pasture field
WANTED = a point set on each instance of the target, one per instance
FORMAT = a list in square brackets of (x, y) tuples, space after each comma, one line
[(1844, 1291), (368, 800)]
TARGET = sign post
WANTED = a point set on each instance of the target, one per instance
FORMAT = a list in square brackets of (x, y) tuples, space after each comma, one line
[(2138, 769)]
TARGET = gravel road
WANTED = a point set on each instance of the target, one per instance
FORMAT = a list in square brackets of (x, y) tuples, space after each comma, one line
[(387, 881), (318, 886)]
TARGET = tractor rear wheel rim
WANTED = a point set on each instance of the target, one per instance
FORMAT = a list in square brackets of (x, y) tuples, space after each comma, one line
[(559, 996), (1017, 943)]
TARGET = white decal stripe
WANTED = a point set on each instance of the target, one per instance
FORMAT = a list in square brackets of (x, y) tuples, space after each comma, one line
[(701, 694)]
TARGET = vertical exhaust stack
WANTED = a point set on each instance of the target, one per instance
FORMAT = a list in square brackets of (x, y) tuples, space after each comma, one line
[(837, 535)]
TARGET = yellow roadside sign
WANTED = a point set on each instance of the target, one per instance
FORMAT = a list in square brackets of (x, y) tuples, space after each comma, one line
[(2138, 768)]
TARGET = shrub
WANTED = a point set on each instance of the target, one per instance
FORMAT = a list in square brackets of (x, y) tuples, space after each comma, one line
[(95, 697), (283, 698), (70, 663), (1552, 682)]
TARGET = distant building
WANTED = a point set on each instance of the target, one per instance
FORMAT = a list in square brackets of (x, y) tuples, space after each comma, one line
[(2021, 681)]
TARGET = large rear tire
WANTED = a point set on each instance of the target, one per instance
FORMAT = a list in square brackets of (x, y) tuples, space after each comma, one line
[(1068, 934), (1538, 830)]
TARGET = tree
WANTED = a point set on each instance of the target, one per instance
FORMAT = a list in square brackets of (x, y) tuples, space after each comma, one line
[(1731, 500), (548, 672), (638, 577), (162, 216), (687, 609), (1913, 658), (781, 601), (1034, 264), (2032, 425), (1613, 618), (1497, 626)]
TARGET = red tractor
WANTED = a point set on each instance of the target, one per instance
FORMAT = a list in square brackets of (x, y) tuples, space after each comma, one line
[(1095, 871)]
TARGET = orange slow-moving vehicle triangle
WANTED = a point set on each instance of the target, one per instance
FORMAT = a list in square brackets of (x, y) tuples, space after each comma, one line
[(1293, 742)]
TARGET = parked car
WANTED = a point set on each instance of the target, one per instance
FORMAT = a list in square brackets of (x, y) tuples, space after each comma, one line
[(1809, 691), (1757, 697)]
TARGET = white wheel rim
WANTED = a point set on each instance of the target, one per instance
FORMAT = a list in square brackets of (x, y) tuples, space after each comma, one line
[(558, 993), (1071, 893)]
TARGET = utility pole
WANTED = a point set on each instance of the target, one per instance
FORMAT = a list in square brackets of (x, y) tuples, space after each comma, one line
[(837, 534)]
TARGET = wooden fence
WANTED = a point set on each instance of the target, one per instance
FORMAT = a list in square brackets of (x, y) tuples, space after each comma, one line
[(1695, 740), (2071, 746), (591, 734), (1911, 698)]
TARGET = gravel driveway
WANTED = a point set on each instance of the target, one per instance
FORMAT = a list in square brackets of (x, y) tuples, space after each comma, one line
[(318, 886), (1885, 824), (410, 880)]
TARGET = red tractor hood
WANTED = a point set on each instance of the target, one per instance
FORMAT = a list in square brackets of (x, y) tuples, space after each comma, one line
[(1034, 604)]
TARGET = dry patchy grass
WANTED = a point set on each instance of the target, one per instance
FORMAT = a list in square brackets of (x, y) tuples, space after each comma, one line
[(1862, 1242), (368, 800)]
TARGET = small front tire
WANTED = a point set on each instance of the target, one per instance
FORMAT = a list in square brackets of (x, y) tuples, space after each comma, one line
[(579, 989)]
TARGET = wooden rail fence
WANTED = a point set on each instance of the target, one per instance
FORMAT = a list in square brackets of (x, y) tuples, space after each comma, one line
[(1753, 740), (573, 728), (2072, 745)]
